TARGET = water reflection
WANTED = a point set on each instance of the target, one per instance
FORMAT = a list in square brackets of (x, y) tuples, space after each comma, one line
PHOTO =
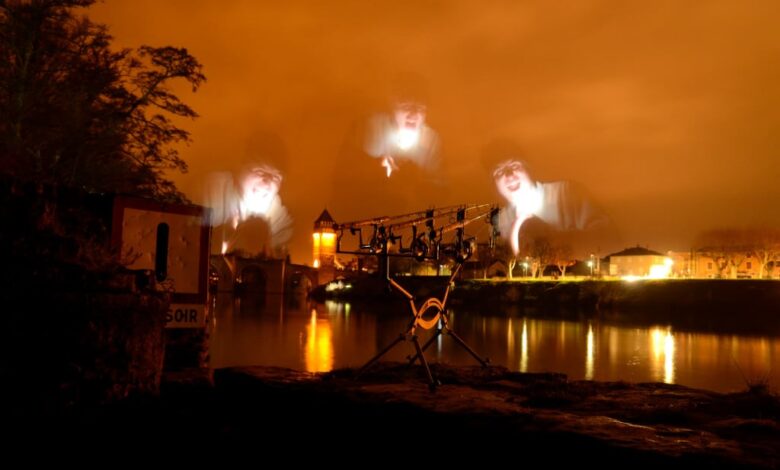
[(319, 337), (524, 348), (662, 355), (319, 344), (589, 354)]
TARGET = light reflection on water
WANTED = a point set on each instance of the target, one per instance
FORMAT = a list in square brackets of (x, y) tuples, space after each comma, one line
[(318, 353), (319, 337)]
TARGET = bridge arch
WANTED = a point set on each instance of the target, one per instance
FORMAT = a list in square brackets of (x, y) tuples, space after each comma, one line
[(254, 279)]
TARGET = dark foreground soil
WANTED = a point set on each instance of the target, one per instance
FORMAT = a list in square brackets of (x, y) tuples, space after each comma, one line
[(476, 416)]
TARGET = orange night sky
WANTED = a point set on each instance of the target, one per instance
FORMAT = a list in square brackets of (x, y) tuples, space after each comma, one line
[(668, 112)]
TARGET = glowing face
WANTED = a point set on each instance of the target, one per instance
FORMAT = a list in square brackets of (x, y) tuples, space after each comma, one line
[(409, 120), (258, 189), (409, 115), (511, 179), (514, 183)]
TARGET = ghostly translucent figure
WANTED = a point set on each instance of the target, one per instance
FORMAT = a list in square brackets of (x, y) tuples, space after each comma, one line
[(254, 195), (560, 205), (403, 137), (259, 189)]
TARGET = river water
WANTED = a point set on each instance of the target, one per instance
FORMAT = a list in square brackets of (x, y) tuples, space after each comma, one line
[(315, 337)]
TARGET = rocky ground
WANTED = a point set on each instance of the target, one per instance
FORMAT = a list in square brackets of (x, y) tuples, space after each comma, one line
[(475, 415)]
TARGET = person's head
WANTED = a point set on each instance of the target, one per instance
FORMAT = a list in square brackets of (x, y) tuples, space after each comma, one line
[(258, 186), (409, 115), (409, 118), (512, 177)]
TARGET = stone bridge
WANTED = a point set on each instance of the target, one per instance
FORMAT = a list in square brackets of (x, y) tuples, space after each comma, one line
[(253, 276)]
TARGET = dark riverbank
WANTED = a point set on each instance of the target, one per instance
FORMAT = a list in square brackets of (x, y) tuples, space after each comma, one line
[(739, 306), (696, 293), (733, 306), (490, 415), (687, 293)]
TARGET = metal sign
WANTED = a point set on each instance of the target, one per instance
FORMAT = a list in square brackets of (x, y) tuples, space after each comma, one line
[(172, 241)]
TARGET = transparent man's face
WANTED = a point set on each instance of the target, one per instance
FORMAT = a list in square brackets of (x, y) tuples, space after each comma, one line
[(258, 189), (511, 176), (409, 116), (409, 120)]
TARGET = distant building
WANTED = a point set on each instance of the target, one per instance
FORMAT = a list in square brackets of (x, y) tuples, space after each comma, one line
[(324, 246), (745, 266), (703, 265), (683, 264), (640, 262), (773, 269)]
